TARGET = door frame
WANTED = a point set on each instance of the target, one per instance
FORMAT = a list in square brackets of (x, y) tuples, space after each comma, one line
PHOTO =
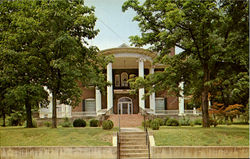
[(120, 106)]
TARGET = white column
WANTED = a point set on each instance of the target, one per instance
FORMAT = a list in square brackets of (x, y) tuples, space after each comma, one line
[(141, 90), (181, 99), (98, 99), (109, 88), (152, 96)]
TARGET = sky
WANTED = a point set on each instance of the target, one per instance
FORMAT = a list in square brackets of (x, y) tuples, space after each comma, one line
[(115, 26)]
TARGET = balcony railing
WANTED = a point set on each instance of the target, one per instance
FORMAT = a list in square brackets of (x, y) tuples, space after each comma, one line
[(82, 114), (176, 112)]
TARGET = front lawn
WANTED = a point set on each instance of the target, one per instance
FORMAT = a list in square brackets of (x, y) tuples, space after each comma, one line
[(222, 135), (43, 136)]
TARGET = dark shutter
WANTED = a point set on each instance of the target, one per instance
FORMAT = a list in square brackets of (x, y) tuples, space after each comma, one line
[(83, 105), (166, 103)]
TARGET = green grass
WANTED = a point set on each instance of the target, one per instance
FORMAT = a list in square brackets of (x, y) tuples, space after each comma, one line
[(222, 135), (19, 136)]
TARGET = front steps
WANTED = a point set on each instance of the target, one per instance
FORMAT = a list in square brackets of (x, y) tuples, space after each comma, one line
[(127, 120), (133, 145)]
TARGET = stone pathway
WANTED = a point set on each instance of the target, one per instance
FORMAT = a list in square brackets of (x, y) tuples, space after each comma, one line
[(127, 120)]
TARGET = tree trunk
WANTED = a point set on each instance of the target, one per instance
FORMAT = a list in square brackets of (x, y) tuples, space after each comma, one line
[(4, 119), (28, 114), (54, 118), (204, 102)]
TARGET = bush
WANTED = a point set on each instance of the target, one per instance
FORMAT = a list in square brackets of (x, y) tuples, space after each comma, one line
[(172, 122), (166, 119), (34, 123), (161, 121), (184, 122), (47, 124), (15, 119), (107, 124), (147, 123), (93, 123), (155, 124), (197, 122), (192, 124), (79, 123), (213, 122)]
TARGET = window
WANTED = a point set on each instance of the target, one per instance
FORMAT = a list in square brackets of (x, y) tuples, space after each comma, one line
[(159, 104), (89, 105), (124, 79), (117, 81)]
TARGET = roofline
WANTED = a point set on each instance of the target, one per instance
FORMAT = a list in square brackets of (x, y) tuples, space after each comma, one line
[(129, 50)]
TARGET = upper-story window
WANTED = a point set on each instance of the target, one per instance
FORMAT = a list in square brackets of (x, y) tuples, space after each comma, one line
[(124, 79), (117, 80)]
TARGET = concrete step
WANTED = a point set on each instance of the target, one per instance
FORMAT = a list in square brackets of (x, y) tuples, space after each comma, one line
[(123, 147), (134, 155), (132, 133), (133, 139), (128, 151), (133, 143)]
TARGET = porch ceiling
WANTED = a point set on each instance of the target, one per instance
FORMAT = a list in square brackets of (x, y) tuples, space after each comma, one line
[(128, 63)]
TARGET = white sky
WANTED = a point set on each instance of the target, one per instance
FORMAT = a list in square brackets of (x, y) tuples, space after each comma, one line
[(115, 26)]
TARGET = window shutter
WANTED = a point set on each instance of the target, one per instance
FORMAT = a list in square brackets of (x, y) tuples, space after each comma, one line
[(166, 103), (83, 105)]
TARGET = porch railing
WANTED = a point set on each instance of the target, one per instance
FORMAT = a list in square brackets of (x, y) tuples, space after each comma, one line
[(176, 112), (81, 114)]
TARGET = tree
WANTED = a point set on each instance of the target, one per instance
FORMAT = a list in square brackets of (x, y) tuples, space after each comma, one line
[(49, 40), (20, 76), (206, 32)]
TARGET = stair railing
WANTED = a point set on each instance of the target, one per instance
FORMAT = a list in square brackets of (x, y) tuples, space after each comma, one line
[(148, 142), (118, 145), (118, 138)]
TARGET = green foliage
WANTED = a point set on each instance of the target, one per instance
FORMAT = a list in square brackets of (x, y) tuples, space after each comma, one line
[(16, 119), (107, 124), (209, 34), (79, 123), (67, 123), (184, 122), (93, 123), (172, 122), (166, 119), (160, 120), (155, 124), (147, 124), (197, 122), (47, 123)]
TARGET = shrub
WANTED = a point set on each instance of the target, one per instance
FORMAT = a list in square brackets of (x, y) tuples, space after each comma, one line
[(161, 121), (93, 123), (172, 122), (155, 124), (15, 119), (147, 123), (47, 124), (213, 122), (79, 123), (166, 119), (197, 122), (192, 124), (107, 124), (34, 123), (184, 122)]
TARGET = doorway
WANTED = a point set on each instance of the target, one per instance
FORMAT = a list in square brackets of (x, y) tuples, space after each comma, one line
[(125, 105)]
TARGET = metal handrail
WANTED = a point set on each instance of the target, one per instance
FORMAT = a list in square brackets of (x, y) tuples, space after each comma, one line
[(148, 142), (118, 145), (118, 138)]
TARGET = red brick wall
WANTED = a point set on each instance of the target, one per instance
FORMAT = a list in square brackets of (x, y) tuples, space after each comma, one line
[(172, 101), (86, 93)]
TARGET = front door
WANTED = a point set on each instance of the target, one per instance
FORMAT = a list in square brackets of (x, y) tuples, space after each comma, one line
[(125, 106)]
